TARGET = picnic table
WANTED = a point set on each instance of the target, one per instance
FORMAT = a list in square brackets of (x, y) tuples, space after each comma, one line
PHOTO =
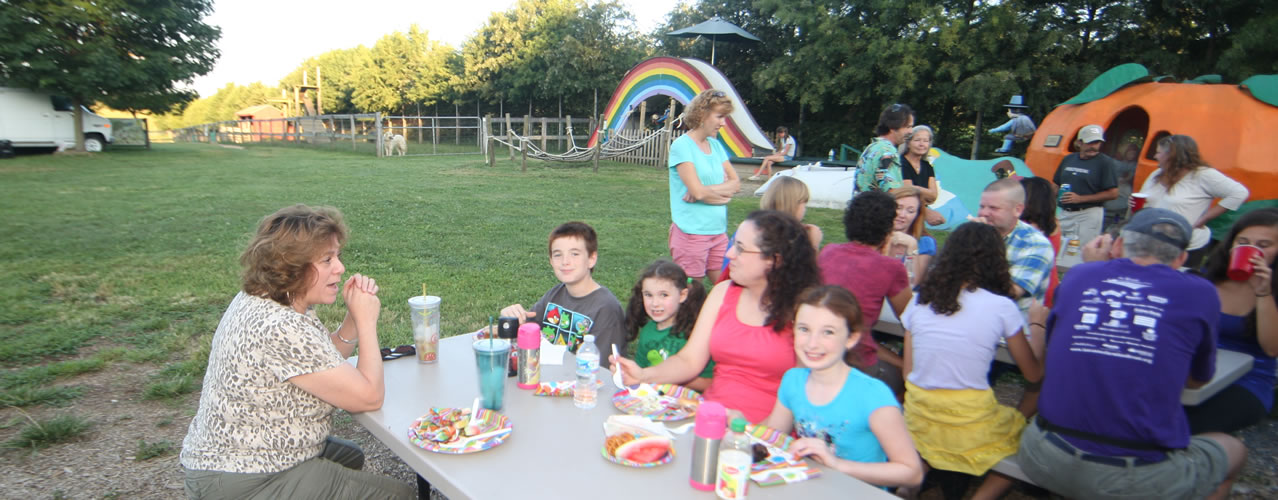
[(1230, 365), (554, 448)]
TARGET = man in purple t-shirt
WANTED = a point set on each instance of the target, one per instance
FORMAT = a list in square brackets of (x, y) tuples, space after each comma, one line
[(859, 267), (1123, 336)]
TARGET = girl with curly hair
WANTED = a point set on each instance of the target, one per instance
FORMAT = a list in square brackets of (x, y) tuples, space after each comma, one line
[(663, 309), (953, 327), (1185, 184), (746, 324)]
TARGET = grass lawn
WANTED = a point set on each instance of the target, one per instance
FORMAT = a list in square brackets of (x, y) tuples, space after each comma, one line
[(130, 256)]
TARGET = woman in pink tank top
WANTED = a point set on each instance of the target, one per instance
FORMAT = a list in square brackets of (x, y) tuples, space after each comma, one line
[(746, 323)]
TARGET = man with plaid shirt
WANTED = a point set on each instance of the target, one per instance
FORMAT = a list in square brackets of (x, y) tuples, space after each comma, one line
[(1029, 253)]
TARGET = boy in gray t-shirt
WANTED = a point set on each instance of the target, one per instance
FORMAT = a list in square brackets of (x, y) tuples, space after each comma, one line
[(578, 305)]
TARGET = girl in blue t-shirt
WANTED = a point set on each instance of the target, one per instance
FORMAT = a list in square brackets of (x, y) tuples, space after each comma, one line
[(844, 419), (663, 307)]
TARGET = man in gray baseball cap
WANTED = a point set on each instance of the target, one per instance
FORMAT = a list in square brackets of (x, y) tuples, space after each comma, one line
[(1127, 333), (1092, 177)]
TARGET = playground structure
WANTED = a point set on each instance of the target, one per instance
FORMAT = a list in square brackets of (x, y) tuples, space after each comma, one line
[(681, 79), (1233, 124)]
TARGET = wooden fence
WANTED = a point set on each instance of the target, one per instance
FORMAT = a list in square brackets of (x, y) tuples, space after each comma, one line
[(425, 135)]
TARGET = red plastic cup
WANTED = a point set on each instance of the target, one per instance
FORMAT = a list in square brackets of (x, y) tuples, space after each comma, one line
[(1138, 201), (1240, 266)]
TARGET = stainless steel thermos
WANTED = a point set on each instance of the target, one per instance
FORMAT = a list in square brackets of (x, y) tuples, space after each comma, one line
[(712, 422)]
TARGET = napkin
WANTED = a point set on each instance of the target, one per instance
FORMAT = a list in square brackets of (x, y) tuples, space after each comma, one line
[(552, 354)]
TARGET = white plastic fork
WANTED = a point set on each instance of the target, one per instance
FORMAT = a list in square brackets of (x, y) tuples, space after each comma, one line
[(616, 372)]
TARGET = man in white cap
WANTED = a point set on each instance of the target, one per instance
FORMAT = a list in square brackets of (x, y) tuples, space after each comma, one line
[(1092, 179)]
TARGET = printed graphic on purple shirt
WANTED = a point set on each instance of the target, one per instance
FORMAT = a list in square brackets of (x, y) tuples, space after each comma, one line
[(1123, 340)]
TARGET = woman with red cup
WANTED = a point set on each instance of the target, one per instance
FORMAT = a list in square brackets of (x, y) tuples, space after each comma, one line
[(1248, 324), (1186, 185)]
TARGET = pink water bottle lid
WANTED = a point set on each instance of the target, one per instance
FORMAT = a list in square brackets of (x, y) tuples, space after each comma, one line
[(529, 336), (712, 420)]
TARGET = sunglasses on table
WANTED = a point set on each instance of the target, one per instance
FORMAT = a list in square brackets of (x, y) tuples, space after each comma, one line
[(398, 352)]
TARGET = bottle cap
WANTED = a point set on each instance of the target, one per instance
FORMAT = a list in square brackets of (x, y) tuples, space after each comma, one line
[(739, 424), (590, 338), (529, 336), (712, 420)]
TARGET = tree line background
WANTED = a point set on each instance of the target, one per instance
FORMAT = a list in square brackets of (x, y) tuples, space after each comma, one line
[(825, 68)]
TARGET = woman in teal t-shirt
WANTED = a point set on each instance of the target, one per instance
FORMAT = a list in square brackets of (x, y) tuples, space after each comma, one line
[(663, 308)]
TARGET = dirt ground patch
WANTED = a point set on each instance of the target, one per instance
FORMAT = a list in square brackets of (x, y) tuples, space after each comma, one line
[(102, 463)]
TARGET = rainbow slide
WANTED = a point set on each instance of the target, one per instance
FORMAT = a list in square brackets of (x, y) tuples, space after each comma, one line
[(682, 79)]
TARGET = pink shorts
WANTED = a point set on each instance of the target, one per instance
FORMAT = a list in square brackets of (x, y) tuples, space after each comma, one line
[(697, 253)]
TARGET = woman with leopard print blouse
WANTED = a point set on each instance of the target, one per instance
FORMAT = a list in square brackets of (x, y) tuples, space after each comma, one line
[(276, 373)]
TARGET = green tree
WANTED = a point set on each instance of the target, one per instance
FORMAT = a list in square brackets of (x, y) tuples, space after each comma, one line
[(340, 69), (128, 53), (403, 69)]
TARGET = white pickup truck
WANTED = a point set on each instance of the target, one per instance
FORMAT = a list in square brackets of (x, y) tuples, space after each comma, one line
[(35, 119)]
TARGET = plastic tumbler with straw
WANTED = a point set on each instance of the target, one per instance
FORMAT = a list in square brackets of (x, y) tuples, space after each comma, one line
[(492, 359), (424, 311)]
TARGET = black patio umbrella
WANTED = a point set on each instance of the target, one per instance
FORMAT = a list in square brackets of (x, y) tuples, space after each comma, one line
[(715, 28)]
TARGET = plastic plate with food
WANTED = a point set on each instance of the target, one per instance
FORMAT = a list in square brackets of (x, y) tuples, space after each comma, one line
[(453, 431), (636, 450), (774, 465), (664, 402)]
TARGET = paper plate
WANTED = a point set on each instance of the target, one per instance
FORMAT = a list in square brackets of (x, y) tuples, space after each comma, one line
[(426, 430), (780, 467), (603, 450), (625, 401)]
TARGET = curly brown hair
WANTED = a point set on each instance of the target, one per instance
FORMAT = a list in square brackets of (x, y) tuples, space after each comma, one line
[(278, 263), (685, 319), (705, 102), (795, 264), (973, 257)]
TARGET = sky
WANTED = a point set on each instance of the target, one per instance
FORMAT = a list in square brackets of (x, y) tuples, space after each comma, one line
[(263, 40)]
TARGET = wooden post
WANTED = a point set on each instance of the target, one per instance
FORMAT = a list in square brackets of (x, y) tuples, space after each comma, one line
[(528, 124), (354, 145), (543, 134), (523, 155), (483, 137), (566, 131), (643, 115), (492, 152), (598, 149), (379, 134), (510, 137), (457, 124)]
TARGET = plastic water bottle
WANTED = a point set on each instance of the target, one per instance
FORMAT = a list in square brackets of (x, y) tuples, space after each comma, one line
[(1069, 233), (831, 158), (735, 459), (583, 394)]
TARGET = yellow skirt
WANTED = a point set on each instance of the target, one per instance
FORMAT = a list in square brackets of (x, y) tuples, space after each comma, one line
[(961, 430)]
